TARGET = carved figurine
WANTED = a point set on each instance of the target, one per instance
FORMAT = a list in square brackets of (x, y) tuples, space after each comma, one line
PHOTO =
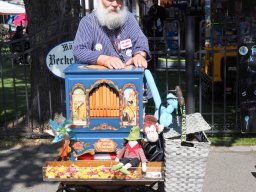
[(131, 154)]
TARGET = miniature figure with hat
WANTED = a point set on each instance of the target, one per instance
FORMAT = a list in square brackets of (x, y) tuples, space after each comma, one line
[(131, 154)]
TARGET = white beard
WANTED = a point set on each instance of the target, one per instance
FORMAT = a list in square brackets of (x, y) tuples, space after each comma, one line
[(111, 20)]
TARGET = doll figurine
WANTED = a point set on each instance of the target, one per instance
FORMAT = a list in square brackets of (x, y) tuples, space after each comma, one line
[(131, 154), (151, 128)]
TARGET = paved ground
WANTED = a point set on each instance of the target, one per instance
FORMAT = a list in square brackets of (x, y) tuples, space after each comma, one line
[(231, 170), (21, 169), (228, 169)]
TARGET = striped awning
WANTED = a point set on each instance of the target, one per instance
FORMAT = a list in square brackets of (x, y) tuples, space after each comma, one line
[(10, 9)]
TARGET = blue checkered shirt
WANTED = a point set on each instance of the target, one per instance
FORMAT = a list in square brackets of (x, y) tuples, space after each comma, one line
[(93, 40)]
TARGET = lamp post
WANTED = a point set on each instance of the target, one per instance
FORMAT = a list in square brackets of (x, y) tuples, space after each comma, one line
[(190, 67)]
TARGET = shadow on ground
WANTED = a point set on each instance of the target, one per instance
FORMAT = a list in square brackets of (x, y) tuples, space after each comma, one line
[(23, 166)]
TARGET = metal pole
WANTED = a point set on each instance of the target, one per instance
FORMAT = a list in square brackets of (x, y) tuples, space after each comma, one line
[(83, 8), (207, 13), (190, 67), (137, 7), (91, 5)]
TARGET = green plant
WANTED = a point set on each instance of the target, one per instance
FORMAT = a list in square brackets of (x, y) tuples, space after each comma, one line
[(14, 89), (232, 139)]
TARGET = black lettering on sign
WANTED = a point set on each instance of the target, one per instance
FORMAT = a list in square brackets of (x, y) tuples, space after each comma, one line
[(52, 59), (67, 46), (60, 60)]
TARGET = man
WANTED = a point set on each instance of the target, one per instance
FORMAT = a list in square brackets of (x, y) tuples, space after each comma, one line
[(110, 36)]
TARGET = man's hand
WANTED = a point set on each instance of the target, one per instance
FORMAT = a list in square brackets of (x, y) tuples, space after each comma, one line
[(138, 61), (110, 62)]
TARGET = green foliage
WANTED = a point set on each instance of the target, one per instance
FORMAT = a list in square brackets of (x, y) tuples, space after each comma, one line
[(232, 139), (5, 50), (14, 89), (4, 34)]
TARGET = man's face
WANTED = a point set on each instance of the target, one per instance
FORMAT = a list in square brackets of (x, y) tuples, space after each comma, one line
[(111, 13), (113, 5)]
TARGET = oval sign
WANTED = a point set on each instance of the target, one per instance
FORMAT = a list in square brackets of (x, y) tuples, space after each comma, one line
[(105, 145), (59, 58)]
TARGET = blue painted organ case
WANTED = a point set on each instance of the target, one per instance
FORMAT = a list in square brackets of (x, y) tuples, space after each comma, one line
[(103, 104)]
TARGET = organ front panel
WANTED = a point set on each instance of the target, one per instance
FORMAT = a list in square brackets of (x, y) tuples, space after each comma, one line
[(103, 104)]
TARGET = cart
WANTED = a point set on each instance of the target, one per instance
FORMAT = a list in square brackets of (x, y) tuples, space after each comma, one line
[(105, 105), (150, 181)]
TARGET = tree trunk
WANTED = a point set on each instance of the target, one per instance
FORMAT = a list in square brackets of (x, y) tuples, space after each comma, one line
[(50, 23)]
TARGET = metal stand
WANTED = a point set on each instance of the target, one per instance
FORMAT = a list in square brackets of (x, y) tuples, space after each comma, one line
[(120, 186)]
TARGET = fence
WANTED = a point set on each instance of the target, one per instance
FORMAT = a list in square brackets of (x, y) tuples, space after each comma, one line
[(216, 98), (16, 112), (219, 78), (168, 65)]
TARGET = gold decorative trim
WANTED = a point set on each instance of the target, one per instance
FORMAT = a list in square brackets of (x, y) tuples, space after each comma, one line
[(91, 67), (104, 126), (121, 98), (98, 82), (88, 108)]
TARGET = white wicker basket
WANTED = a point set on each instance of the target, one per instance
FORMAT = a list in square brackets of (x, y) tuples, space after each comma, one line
[(185, 165)]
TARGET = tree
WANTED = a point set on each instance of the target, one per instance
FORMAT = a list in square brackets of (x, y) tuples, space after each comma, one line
[(50, 23)]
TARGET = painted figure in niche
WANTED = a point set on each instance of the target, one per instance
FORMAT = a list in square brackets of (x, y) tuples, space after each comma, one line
[(129, 107), (79, 107)]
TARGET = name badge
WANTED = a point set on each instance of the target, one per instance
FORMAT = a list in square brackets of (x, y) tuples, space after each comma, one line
[(125, 44)]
